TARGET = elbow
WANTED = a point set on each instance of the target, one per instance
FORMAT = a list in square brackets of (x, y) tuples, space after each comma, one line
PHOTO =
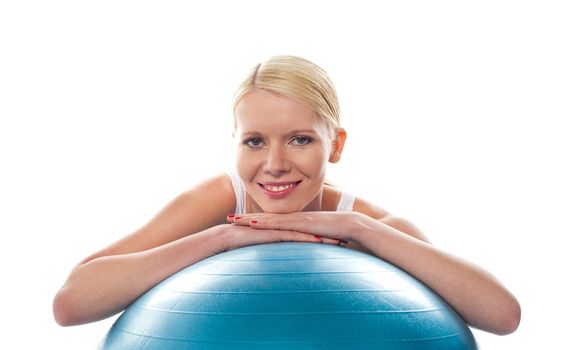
[(509, 319), (512, 319), (501, 318), (63, 309)]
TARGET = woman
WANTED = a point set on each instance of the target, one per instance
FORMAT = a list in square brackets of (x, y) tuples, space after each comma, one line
[(287, 127)]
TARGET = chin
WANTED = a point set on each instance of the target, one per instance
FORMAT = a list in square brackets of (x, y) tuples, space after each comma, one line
[(278, 208)]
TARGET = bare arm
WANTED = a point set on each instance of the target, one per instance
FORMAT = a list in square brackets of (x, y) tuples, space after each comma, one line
[(109, 280), (106, 285), (479, 298), (188, 230)]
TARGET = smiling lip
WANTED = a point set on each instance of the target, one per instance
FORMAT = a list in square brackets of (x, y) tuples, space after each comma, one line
[(278, 189)]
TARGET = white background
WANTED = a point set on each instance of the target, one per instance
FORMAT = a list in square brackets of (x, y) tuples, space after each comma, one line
[(455, 112)]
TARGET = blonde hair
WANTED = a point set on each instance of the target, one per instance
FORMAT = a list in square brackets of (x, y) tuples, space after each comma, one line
[(297, 78)]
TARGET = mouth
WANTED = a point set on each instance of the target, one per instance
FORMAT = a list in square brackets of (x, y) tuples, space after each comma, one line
[(278, 189)]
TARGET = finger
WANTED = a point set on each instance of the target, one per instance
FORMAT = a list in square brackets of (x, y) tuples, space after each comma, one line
[(329, 240), (252, 219), (286, 235), (300, 223), (310, 223), (242, 220), (293, 222), (230, 218), (291, 236)]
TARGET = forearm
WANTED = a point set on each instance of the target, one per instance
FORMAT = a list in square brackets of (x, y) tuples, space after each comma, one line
[(106, 285), (475, 294)]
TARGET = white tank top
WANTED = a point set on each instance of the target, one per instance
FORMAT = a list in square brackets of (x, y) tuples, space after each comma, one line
[(345, 202)]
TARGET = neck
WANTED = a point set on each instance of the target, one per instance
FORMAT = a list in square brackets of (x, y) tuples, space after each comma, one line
[(316, 204)]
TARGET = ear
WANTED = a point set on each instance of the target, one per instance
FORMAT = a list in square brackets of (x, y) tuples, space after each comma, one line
[(337, 145)]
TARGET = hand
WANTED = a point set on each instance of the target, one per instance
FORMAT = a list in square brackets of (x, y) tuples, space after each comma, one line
[(328, 227), (236, 236)]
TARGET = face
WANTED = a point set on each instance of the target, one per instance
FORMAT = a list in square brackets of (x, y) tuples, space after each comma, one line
[(283, 150)]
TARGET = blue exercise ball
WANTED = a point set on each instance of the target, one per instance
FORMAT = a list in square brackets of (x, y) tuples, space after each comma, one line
[(290, 296)]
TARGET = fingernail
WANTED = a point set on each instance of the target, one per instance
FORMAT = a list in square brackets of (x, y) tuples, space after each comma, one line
[(317, 236), (230, 215), (237, 217), (253, 222)]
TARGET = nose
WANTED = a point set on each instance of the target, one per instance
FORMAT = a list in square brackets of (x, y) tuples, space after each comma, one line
[(276, 162)]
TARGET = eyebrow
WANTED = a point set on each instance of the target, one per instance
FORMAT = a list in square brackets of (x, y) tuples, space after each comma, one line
[(293, 132)]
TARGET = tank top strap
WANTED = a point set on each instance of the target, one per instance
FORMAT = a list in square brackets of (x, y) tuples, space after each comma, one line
[(239, 192), (346, 202)]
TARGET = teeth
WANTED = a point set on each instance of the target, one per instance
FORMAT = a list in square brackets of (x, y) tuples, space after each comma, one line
[(278, 188)]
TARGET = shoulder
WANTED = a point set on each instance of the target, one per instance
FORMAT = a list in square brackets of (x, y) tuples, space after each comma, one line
[(216, 191), (382, 215), (372, 210), (332, 196), (219, 184), (203, 206)]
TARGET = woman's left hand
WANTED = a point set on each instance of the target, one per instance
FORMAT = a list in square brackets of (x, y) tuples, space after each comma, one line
[(330, 227)]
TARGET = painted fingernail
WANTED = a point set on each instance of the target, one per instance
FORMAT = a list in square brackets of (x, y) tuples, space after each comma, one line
[(253, 222), (230, 215), (317, 236), (237, 217)]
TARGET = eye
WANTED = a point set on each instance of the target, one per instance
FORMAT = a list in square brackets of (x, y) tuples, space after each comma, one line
[(254, 142), (301, 140)]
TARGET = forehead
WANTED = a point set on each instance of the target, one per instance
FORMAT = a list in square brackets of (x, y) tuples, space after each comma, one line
[(263, 110)]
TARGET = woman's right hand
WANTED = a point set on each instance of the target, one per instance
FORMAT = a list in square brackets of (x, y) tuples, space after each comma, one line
[(237, 236)]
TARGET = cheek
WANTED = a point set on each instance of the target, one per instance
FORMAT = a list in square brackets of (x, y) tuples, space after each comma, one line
[(316, 164), (245, 165)]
